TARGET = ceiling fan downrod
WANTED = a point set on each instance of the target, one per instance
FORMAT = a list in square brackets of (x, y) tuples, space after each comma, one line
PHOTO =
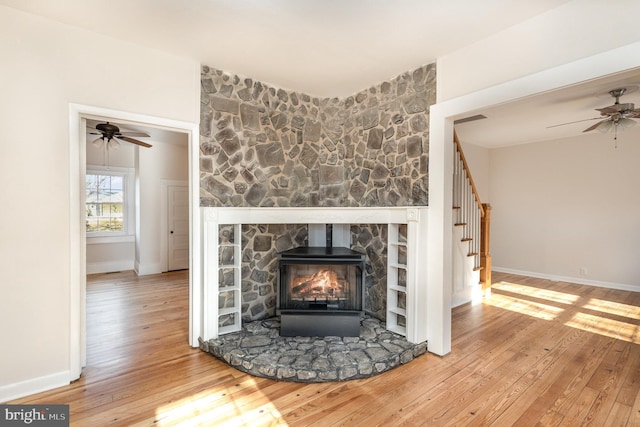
[(617, 93)]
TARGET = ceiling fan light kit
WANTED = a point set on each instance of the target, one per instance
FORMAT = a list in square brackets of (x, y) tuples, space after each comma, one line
[(621, 124), (113, 144), (98, 142)]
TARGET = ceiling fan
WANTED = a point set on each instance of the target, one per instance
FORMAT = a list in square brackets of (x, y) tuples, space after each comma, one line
[(614, 116), (110, 136)]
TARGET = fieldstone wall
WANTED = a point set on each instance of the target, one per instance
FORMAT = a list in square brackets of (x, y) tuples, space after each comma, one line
[(264, 146), (371, 239), (261, 244), (260, 247)]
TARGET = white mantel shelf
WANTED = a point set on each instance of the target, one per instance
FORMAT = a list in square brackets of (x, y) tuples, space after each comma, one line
[(337, 215), (416, 219)]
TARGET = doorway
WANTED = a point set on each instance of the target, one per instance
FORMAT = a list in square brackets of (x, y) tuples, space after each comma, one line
[(78, 114)]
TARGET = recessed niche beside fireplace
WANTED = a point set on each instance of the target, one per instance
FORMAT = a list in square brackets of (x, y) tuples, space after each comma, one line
[(320, 291)]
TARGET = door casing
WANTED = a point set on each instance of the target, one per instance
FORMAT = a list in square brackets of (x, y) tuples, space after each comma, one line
[(77, 236)]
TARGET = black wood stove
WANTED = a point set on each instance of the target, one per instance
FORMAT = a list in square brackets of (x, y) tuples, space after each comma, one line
[(320, 291)]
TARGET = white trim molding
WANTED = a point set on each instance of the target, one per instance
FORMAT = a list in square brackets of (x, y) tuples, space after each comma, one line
[(34, 385)]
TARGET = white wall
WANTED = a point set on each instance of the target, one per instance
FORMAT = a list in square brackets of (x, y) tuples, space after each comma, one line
[(575, 30), (161, 162), (110, 257), (565, 205), (44, 67)]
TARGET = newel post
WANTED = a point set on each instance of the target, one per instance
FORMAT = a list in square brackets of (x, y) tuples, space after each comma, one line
[(485, 255)]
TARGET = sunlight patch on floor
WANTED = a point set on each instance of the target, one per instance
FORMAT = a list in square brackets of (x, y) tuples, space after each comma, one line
[(519, 305), (616, 308), (588, 322), (608, 327), (222, 407), (555, 296)]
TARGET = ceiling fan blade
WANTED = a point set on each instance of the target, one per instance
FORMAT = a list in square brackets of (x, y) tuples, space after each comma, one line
[(134, 141), (612, 109), (577, 121), (634, 114), (590, 128), (139, 134)]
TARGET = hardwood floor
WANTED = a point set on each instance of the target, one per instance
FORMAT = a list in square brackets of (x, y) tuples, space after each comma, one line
[(536, 353)]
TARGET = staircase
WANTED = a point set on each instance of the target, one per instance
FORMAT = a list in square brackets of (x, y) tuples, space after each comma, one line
[(472, 223)]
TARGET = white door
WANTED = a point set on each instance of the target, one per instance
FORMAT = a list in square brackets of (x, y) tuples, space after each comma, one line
[(178, 222)]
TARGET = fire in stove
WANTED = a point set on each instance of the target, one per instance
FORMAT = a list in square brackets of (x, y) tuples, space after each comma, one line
[(316, 278), (323, 284)]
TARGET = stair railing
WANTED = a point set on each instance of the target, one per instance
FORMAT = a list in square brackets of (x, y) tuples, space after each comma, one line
[(472, 215)]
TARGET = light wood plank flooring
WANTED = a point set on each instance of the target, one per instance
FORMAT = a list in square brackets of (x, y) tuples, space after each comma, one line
[(536, 353)]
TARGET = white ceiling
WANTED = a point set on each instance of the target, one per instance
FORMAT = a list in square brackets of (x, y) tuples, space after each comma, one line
[(324, 48), (527, 120), (333, 48)]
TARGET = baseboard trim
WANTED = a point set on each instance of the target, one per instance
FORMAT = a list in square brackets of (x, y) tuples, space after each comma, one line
[(109, 267), (577, 280), (32, 386)]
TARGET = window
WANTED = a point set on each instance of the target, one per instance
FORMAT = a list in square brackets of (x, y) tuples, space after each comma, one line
[(108, 202)]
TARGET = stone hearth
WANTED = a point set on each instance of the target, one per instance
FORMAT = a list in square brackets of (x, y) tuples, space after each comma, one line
[(258, 349)]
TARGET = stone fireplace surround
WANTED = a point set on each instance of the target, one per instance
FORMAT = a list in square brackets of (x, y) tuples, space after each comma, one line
[(273, 156), (266, 147), (415, 218)]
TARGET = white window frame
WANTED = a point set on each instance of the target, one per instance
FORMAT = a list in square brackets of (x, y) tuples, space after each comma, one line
[(128, 209)]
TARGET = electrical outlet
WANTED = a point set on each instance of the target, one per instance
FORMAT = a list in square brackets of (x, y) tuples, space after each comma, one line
[(583, 271)]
